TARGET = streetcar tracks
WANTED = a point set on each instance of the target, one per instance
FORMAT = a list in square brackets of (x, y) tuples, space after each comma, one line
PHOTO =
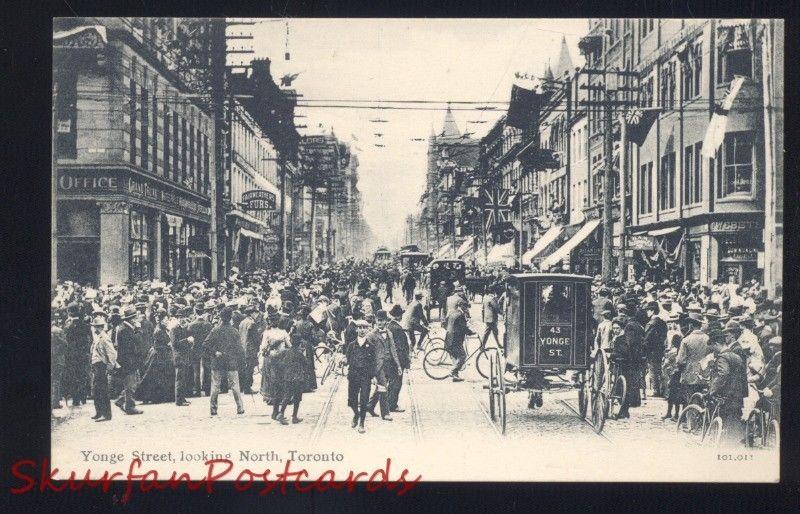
[(486, 414), (571, 408), (416, 418), (322, 421)]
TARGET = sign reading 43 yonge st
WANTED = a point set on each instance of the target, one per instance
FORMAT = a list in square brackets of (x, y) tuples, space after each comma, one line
[(258, 200)]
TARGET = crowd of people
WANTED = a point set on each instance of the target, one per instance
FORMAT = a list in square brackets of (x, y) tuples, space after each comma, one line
[(723, 339), (151, 342)]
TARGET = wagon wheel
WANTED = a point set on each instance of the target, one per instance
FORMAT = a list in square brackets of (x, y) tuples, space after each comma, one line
[(492, 387), (598, 411), (584, 393), (501, 399)]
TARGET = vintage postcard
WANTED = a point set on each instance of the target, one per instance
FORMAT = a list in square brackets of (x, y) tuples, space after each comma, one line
[(409, 250)]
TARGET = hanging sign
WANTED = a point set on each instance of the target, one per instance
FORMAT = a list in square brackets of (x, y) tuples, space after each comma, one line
[(258, 200)]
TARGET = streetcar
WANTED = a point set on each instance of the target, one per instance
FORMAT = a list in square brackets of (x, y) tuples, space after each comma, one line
[(412, 258), (443, 270), (549, 333), (382, 256)]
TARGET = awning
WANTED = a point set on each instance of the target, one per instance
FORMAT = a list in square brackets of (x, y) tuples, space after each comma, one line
[(444, 251), (502, 254), (582, 233), (663, 231), (249, 233), (542, 243), (465, 247)]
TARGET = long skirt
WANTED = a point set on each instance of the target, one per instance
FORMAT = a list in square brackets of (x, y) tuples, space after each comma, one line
[(272, 380), (158, 378), (633, 380)]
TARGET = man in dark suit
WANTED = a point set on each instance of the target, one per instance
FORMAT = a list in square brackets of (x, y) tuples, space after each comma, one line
[(414, 320), (387, 364), (125, 341), (181, 342), (655, 337), (201, 367), (457, 331), (401, 345), (728, 381), (78, 354), (144, 329)]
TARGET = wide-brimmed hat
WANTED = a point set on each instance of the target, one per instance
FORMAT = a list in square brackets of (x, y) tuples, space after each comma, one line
[(732, 326), (396, 311), (129, 312), (695, 317)]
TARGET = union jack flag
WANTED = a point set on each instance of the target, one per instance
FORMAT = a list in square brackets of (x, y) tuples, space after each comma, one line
[(496, 207)]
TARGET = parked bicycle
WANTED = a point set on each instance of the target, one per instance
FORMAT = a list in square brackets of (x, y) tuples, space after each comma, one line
[(700, 422), (762, 429), (333, 354)]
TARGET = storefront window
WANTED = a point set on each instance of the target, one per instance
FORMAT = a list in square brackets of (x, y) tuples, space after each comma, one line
[(735, 169), (141, 249), (694, 260)]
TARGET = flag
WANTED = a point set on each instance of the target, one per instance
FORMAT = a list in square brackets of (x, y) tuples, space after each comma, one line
[(495, 207), (715, 133), (639, 121), (523, 108)]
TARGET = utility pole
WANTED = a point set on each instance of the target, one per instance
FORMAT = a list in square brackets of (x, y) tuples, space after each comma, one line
[(608, 150), (216, 234), (330, 221), (453, 221), (623, 132), (313, 227)]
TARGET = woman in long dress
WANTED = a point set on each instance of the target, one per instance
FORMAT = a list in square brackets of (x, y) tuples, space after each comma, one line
[(274, 344), (158, 376)]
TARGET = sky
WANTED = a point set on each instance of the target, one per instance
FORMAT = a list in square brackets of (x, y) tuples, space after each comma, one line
[(379, 60)]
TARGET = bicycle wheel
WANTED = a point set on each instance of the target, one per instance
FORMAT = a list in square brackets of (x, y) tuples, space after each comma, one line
[(617, 397), (432, 342), (492, 387), (321, 353), (598, 412), (773, 437), (690, 423), (438, 363), (714, 433), (483, 361), (584, 392), (697, 399), (754, 430)]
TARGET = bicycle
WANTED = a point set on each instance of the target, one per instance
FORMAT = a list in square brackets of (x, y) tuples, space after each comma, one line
[(700, 422), (336, 362), (439, 361), (762, 429), (429, 341), (605, 389)]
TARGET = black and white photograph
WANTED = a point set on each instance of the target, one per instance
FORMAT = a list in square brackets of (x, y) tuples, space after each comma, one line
[(484, 250)]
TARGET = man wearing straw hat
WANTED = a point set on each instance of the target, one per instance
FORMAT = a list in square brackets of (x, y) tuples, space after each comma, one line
[(104, 359)]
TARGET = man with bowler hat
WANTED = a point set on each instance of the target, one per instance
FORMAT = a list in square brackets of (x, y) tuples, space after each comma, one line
[(126, 358)]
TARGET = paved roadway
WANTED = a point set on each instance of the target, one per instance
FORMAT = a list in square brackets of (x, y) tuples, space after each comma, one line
[(444, 434)]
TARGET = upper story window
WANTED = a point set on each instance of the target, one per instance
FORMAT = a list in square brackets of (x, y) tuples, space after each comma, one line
[(734, 54), (667, 87), (67, 116), (735, 167), (646, 26), (693, 71), (647, 97)]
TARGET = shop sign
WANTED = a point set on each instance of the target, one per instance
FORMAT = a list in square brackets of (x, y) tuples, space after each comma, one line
[(725, 227), (739, 253), (149, 190), (641, 242), (258, 200), (82, 181)]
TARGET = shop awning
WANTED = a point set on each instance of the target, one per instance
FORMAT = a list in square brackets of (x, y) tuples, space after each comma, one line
[(465, 247), (542, 243), (444, 251), (249, 233), (582, 233), (501, 254), (663, 231)]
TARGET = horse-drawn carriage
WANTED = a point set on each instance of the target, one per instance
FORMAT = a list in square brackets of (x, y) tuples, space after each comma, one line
[(549, 332)]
